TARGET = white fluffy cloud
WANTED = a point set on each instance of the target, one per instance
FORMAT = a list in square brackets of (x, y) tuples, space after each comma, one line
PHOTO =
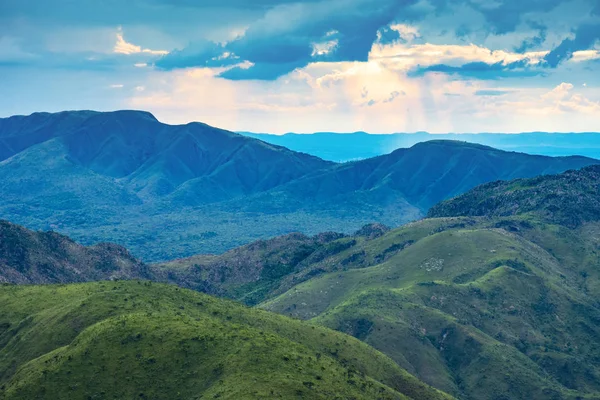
[(424, 65), (376, 96), (124, 47)]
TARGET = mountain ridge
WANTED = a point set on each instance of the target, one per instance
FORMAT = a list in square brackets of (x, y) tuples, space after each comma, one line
[(569, 198), (196, 189), (341, 147)]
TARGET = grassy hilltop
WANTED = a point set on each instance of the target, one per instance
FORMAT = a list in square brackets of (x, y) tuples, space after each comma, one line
[(125, 340)]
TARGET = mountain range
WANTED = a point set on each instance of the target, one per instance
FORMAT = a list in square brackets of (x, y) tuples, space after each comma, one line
[(166, 191), (493, 296), (342, 147)]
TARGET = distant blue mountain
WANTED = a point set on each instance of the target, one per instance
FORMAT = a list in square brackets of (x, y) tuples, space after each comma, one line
[(341, 147), (168, 191)]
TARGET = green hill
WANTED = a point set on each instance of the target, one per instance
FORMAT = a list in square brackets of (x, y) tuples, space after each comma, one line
[(571, 198), (47, 257), (424, 174), (125, 340), (480, 308), (504, 297)]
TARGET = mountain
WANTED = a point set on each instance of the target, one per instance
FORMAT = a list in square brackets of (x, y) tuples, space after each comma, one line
[(342, 147), (154, 159), (571, 198), (254, 272), (171, 191), (494, 305), (48, 257), (505, 297), (468, 305), (144, 340), (421, 175)]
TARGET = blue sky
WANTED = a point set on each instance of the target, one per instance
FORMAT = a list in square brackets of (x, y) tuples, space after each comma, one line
[(310, 65)]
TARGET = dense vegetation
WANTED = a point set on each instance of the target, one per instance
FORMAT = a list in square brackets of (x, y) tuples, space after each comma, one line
[(125, 340), (48, 257), (167, 191), (469, 304), (570, 199), (505, 298), (493, 297), (462, 303)]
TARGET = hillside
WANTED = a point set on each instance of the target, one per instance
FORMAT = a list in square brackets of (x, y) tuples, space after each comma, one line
[(503, 298), (150, 158), (144, 340), (571, 198), (172, 191), (48, 257), (257, 271), (468, 305), (425, 174)]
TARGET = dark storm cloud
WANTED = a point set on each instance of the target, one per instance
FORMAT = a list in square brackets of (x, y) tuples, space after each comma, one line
[(202, 53), (505, 15), (388, 35)]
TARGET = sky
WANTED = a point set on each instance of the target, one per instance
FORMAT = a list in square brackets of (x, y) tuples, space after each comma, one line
[(277, 66)]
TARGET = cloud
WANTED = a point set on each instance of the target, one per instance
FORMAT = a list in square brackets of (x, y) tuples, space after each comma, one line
[(482, 70), (490, 92), (559, 92), (261, 71), (374, 65), (585, 55), (123, 47), (393, 96), (387, 35), (368, 96), (204, 53), (278, 36), (327, 47), (408, 56), (584, 38), (534, 42), (505, 16), (12, 53), (291, 36)]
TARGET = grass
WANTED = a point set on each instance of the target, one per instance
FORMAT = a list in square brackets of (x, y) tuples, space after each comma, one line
[(472, 304), (114, 340)]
